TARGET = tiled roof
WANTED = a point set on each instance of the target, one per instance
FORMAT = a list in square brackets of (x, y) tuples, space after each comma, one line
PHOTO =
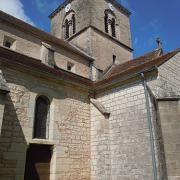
[(116, 69), (135, 66)]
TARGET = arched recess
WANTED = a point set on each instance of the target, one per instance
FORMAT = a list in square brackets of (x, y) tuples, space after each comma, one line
[(41, 118), (69, 24), (110, 22)]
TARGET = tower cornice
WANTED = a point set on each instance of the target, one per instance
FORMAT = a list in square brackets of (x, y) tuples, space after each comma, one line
[(114, 2)]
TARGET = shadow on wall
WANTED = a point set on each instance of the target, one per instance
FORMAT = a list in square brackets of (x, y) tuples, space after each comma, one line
[(13, 145)]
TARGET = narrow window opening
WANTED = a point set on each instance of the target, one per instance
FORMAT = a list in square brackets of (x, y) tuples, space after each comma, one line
[(113, 27), (51, 61), (74, 23), (70, 66), (9, 42), (106, 23), (67, 29), (114, 59), (41, 118)]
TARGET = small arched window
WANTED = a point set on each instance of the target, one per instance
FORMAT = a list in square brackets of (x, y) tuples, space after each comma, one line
[(41, 119)]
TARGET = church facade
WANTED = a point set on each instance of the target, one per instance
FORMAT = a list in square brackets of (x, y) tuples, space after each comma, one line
[(75, 105)]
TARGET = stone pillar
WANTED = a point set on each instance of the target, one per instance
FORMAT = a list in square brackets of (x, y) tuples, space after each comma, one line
[(70, 28), (95, 73), (109, 27), (47, 54)]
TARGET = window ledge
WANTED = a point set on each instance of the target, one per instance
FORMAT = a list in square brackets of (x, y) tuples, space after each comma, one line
[(42, 141)]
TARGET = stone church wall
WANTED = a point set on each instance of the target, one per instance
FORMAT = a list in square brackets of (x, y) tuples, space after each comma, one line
[(82, 9), (91, 13), (168, 81), (30, 45), (122, 21), (25, 43), (169, 112), (167, 86), (106, 49), (120, 147), (97, 43), (91, 40), (69, 128)]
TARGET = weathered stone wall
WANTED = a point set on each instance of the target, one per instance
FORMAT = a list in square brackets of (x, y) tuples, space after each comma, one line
[(167, 86), (69, 128), (95, 43), (122, 21), (62, 57), (102, 48), (82, 9), (120, 147), (91, 12), (31, 46), (168, 81), (84, 41), (169, 112)]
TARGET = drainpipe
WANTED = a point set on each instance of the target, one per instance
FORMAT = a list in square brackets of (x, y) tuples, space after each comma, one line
[(153, 154)]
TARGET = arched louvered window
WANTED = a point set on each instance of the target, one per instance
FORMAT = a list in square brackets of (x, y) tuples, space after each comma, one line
[(106, 23), (41, 119), (69, 24), (113, 27), (66, 29), (110, 22), (74, 23)]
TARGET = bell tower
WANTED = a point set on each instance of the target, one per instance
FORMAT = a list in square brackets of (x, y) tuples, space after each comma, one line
[(99, 27)]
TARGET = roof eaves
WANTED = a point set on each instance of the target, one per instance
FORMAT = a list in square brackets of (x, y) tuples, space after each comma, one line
[(139, 68), (9, 56), (121, 78), (42, 35)]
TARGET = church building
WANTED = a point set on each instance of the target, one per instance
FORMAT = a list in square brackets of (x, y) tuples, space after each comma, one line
[(76, 105)]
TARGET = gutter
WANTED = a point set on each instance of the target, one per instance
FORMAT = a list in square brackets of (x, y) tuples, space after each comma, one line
[(153, 154)]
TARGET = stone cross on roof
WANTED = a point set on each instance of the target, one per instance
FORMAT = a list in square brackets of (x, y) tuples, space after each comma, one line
[(159, 43)]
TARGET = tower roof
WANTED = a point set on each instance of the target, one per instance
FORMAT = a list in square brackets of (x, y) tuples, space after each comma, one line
[(114, 2)]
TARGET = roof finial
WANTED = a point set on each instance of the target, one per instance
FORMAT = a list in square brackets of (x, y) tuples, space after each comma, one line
[(159, 43)]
